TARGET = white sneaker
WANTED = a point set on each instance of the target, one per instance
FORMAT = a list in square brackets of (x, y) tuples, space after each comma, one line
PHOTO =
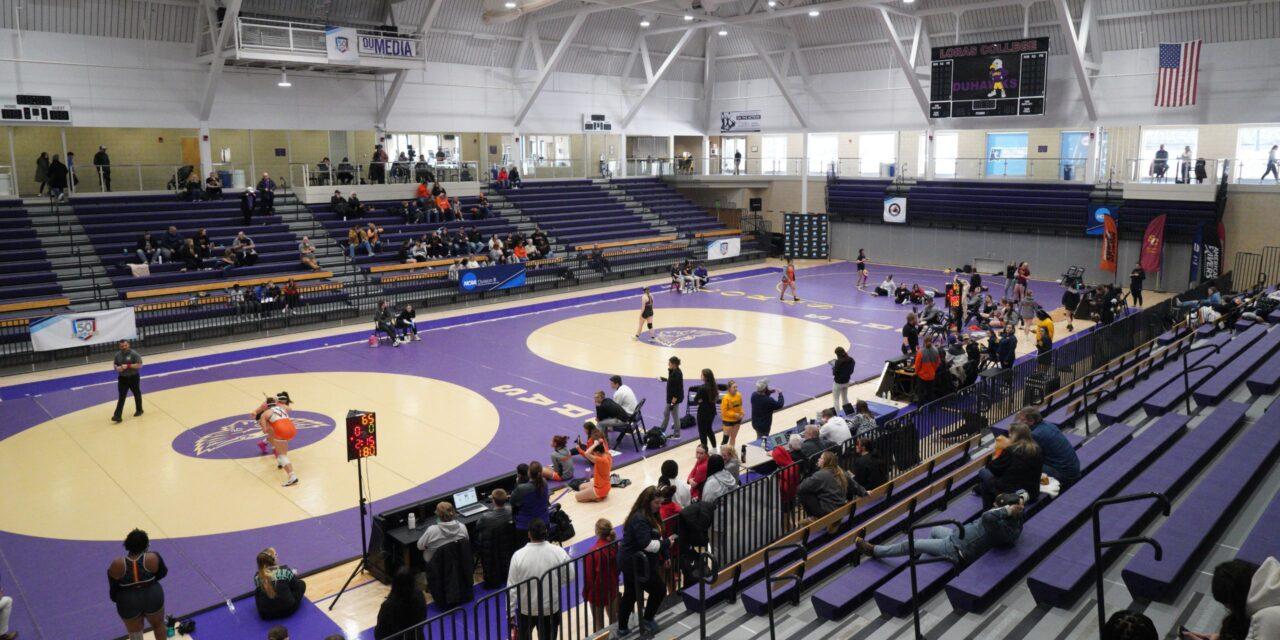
[(416, 338), (395, 343), (290, 482)]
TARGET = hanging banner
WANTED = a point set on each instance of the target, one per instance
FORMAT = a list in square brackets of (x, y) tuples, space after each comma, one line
[(1110, 244), (81, 329), (1093, 226), (740, 121), (1153, 245), (340, 44), (499, 276), (724, 248), (1211, 263), (1197, 254), (387, 46), (895, 210)]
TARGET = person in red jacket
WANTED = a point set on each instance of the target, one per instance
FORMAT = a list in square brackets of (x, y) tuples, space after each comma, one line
[(789, 478), (926, 366)]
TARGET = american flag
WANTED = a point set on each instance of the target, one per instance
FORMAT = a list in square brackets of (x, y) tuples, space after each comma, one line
[(1179, 74)]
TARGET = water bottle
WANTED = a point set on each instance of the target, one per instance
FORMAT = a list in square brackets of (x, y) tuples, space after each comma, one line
[(231, 606), (413, 521)]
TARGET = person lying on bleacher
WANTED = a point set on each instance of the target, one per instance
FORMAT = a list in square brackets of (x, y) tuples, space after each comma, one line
[(1260, 307), (997, 527)]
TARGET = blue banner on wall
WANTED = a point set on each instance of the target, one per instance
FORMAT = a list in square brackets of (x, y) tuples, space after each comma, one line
[(499, 276), (1093, 226)]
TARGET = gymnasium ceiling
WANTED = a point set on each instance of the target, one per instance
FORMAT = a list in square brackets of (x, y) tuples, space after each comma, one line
[(849, 35)]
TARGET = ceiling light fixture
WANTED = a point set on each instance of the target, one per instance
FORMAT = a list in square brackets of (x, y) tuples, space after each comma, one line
[(722, 32), (908, 1), (813, 13), (773, 3), (509, 5), (644, 22), (284, 80), (688, 18)]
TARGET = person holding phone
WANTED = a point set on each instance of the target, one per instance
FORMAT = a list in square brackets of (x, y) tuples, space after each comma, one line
[(674, 396)]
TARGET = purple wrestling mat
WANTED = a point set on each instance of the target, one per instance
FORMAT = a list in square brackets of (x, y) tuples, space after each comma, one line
[(58, 585)]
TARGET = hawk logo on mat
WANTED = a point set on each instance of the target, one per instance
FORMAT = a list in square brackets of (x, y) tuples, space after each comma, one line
[(238, 437), (691, 337)]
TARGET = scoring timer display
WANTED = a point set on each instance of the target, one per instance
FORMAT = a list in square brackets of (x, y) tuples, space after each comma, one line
[(362, 434)]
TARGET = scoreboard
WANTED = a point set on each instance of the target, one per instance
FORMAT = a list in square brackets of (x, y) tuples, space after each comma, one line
[(992, 79), (362, 434), (806, 235)]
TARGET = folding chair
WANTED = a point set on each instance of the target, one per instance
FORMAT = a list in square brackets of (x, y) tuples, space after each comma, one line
[(634, 427)]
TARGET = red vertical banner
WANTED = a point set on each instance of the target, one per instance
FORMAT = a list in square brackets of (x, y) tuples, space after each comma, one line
[(1153, 245), (1110, 244)]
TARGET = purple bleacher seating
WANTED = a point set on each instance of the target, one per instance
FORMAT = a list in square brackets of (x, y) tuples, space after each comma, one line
[(1264, 540), (1213, 390), (1066, 572), (980, 583), (1212, 504), (856, 197), (1165, 399), (1128, 401)]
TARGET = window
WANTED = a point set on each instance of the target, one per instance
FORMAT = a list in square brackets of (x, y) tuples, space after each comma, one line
[(824, 155), (875, 149), (732, 146), (922, 157), (773, 155), (1074, 154), (548, 150), (1174, 141), (946, 146), (1007, 154), (1253, 147)]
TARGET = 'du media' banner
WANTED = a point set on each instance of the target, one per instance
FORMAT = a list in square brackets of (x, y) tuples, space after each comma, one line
[(498, 276), (80, 329), (724, 248)]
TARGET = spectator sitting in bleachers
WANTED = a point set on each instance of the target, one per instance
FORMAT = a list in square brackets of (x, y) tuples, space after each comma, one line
[(454, 268), (472, 263), (475, 241), (189, 257), (372, 232), (246, 251), (267, 194), (204, 245), (213, 186), (1017, 466), (228, 261), (291, 296), (513, 176), (495, 248), (338, 204), (405, 254), (146, 249), (423, 194), (169, 243), (444, 207), (869, 468), (357, 238), (519, 254), (307, 254), (828, 488), (1231, 588), (458, 245), (1060, 459), (193, 189), (997, 527), (356, 209), (480, 210), (502, 178)]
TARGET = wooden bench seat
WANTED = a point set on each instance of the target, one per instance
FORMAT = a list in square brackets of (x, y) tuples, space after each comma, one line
[(226, 298), (716, 233), (412, 266), (226, 284), (27, 305), (624, 243)]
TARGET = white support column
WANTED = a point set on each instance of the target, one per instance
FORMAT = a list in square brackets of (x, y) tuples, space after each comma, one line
[(708, 82), (778, 80), (545, 73), (218, 60), (1075, 50), (927, 171), (1091, 162), (206, 152), (705, 162), (622, 154), (804, 172), (905, 63), (654, 78)]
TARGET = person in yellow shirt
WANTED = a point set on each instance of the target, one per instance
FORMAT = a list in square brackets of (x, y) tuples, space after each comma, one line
[(1044, 336), (731, 414)]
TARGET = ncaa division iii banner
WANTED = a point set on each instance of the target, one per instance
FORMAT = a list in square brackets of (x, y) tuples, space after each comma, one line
[(80, 329)]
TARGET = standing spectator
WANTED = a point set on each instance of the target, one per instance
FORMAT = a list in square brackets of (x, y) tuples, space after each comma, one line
[(58, 175), (1018, 466), (42, 171), (1020, 280), (135, 586), (1184, 166), (698, 475), (248, 202), (600, 576), (763, 405), (378, 165), (277, 589), (102, 162), (841, 373), (926, 367), (737, 162), (73, 180), (1271, 165), (494, 539), (531, 499), (404, 608), (784, 457), (731, 415), (642, 542), (910, 335), (1136, 278), (128, 365), (1044, 337), (707, 397), (267, 194), (538, 608), (674, 396)]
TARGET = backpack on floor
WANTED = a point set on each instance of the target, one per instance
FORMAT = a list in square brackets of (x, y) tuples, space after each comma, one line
[(654, 438), (561, 528), (618, 481), (688, 422)]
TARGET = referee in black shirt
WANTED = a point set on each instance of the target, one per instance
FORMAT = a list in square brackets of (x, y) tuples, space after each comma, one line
[(128, 366)]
